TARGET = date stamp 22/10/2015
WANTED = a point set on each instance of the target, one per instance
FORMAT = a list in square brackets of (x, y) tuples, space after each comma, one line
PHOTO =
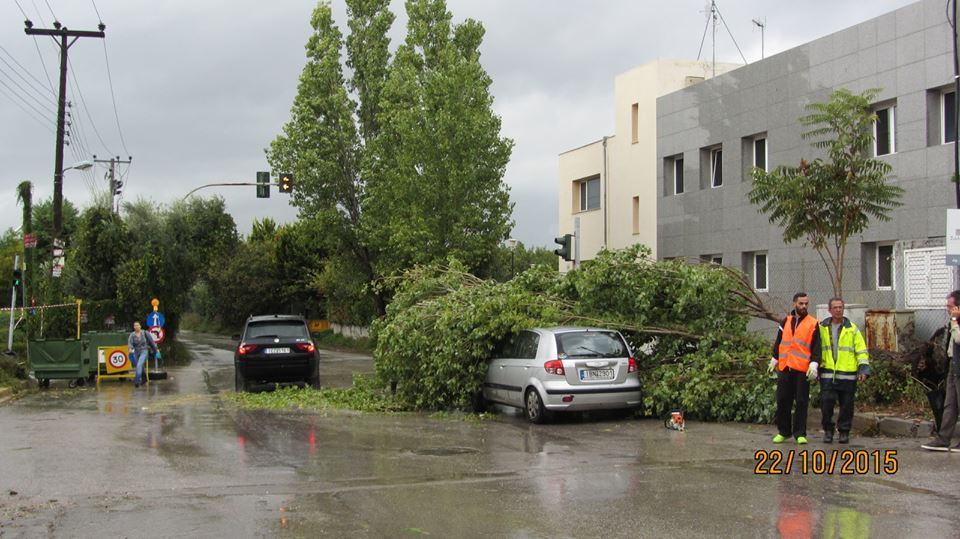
[(820, 462)]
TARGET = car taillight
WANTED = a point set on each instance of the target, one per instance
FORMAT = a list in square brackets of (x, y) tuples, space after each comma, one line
[(245, 349), (305, 346), (632, 365), (554, 366)]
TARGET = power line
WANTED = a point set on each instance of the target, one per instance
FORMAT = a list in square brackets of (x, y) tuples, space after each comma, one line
[(29, 104), (86, 109), (99, 18), (114, 98), (28, 91), (27, 71), (51, 10), (21, 9), (39, 119)]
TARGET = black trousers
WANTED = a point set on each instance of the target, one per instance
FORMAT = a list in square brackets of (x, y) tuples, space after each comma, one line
[(831, 392), (792, 386)]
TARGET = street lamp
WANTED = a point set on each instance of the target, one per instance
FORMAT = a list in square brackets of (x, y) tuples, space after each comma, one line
[(512, 242), (82, 165)]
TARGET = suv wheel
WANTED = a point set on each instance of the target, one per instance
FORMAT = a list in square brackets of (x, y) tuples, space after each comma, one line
[(533, 408), (239, 381), (314, 380)]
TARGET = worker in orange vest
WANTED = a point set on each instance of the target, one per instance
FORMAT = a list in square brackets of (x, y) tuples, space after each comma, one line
[(796, 355)]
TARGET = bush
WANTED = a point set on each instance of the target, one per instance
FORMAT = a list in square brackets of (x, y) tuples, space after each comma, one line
[(329, 339)]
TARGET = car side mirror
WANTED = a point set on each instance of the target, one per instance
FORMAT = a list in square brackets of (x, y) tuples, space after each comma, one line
[(236, 337)]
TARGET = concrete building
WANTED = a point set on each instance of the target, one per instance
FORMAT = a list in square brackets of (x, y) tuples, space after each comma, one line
[(611, 184), (711, 134)]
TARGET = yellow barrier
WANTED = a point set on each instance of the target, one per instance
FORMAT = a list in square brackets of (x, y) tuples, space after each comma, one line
[(116, 362)]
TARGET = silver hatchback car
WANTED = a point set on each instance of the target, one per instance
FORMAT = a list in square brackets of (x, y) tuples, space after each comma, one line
[(548, 370)]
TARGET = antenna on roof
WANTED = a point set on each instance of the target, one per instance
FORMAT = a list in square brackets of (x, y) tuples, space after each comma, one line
[(713, 14), (762, 26)]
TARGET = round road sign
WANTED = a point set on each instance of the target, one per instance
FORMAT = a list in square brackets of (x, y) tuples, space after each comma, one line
[(157, 333), (117, 359)]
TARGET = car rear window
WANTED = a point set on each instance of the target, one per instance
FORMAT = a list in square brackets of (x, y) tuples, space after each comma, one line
[(281, 329), (591, 344)]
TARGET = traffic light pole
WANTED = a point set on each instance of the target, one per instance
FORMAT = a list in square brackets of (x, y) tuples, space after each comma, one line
[(227, 184), (13, 305)]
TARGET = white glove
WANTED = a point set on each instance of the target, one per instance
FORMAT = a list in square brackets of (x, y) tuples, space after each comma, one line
[(812, 371), (773, 364)]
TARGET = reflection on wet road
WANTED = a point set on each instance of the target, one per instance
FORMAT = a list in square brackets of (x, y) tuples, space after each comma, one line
[(172, 458)]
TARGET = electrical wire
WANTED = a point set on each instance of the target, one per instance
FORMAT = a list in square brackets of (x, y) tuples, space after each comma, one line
[(17, 2), (28, 91), (46, 122), (51, 10), (29, 104), (113, 97), (27, 71), (86, 109), (99, 18)]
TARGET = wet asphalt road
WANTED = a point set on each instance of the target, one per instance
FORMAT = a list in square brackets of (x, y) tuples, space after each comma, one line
[(173, 460)]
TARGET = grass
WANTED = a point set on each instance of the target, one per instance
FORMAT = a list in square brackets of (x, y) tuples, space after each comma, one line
[(361, 397)]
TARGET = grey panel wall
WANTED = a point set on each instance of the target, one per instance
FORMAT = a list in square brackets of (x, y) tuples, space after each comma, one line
[(905, 53)]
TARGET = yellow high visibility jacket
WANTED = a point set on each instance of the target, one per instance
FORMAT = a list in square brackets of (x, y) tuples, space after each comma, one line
[(851, 351)]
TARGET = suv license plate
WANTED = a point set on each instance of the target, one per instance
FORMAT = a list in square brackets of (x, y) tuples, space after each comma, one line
[(277, 351), (596, 374)]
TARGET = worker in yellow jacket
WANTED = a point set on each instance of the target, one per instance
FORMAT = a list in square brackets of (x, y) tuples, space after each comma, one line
[(844, 362)]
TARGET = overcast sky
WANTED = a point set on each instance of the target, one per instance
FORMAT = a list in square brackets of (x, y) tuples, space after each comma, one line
[(203, 86)]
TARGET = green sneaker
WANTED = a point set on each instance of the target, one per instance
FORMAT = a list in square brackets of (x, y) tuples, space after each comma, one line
[(801, 440), (778, 439)]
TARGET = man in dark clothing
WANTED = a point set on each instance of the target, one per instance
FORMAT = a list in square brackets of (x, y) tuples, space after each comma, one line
[(796, 355), (941, 441)]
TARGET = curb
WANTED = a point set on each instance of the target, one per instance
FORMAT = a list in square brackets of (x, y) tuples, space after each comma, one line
[(5, 394), (869, 424)]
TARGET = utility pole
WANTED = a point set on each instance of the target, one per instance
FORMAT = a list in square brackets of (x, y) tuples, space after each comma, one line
[(114, 184), (13, 305), (60, 31)]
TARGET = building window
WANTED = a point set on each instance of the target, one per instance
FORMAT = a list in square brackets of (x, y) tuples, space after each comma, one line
[(948, 117), (927, 278), (712, 259), (884, 131), (634, 120), (589, 194), (716, 167), (760, 153), (760, 272), (885, 267), (677, 170), (636, 215)]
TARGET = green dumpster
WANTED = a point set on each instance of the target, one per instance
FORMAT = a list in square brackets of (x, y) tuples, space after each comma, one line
[(57, 359)]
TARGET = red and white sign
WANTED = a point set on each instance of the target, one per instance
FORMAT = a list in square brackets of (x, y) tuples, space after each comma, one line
[(157, 333), (29, 241), (117, 359)]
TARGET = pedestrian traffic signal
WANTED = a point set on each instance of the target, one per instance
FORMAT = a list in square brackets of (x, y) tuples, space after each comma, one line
[(286, 183), (565, 242), (17, 277), (263, 185)]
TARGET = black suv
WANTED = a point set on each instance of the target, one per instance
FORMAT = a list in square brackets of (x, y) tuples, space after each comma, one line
[(275, 349)]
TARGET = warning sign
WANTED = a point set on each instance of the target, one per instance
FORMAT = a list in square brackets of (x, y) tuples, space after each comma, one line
[(115, 358), (157, 333)]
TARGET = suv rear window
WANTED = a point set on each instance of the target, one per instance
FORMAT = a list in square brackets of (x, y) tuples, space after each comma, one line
[(591, 344), (281, 329)]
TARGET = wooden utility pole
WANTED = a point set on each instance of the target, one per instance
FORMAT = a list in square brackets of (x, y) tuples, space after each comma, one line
[(64, 42), (114, 184)]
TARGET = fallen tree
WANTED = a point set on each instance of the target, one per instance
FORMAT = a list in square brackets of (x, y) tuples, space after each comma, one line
[(686, 323)]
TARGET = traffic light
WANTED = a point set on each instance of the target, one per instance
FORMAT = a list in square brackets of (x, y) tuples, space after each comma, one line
[(286, 183), (565, 243), (263, 185), (17, 277)]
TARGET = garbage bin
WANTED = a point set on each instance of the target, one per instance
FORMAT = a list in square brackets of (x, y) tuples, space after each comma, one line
[(57, 359)]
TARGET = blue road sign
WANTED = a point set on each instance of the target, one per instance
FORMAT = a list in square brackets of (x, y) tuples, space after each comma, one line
[(155, 319)]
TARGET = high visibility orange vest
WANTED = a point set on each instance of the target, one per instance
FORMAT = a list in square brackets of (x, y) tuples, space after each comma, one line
[(795, 346)]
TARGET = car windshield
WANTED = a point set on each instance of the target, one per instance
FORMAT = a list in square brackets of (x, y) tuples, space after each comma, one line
[(591, 344), (278, 329)]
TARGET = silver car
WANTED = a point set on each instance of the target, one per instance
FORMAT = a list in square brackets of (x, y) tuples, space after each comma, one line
[(548, 370)]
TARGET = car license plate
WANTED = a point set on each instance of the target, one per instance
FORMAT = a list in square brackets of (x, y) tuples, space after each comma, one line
[(596, 374), (277, 351)]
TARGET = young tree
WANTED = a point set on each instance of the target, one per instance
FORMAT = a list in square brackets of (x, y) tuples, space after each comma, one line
[(825, 202)]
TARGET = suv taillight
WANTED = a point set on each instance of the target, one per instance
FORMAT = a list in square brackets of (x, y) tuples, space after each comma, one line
[(305, 346), (632, 365), (245, 349), (554, 366)]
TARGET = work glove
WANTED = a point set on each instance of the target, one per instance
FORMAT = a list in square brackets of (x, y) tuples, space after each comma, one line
[(812, 371), (158, 354), (773, 365)]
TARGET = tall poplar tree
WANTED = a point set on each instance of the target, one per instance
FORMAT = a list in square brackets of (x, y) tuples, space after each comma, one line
[(402, 161)]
